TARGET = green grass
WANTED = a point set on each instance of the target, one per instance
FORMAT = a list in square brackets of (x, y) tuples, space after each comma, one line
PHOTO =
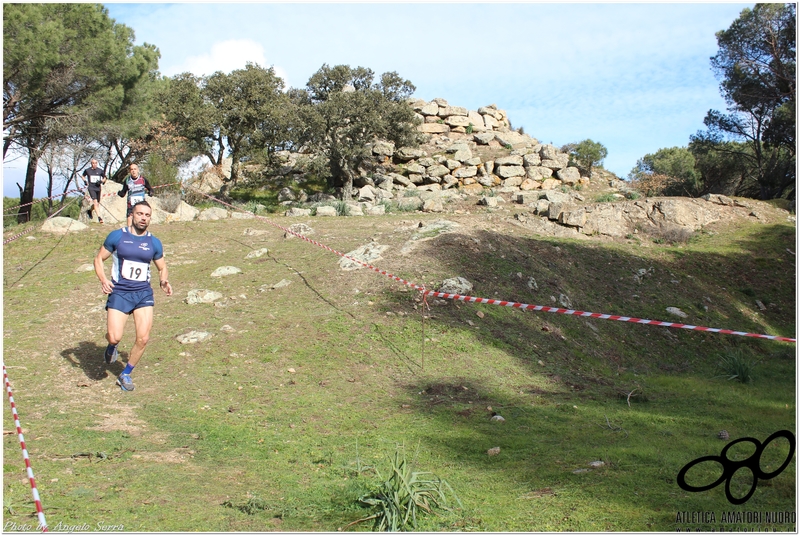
[(224, 436)]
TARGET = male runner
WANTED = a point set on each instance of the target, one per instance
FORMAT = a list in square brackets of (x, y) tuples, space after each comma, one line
[(94, 177), (129, 290), (134, 186)]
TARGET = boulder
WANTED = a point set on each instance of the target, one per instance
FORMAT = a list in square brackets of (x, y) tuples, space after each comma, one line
[(213, 214), (509, 160), (433, 205), (326, 211), (456, 285), (298, 212), (507, 171), (383, 148), (539, 173), (408, 153), (184, 212), (429, 109), (531, 160), (569, 175), (484, 138), (433, 128), (458, 120), (550, 183), (528, 184), (472, 189), (512, 182), (465, 172), (573, 218), (449, 111), (286, 194), (62, 225)]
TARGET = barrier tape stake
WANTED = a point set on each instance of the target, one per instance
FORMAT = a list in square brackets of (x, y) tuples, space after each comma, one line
[(36, 500)]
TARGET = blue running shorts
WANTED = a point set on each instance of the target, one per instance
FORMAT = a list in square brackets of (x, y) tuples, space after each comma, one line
[(127, 302)]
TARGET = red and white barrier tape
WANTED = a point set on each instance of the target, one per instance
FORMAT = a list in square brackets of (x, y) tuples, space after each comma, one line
[(512, 304), (37, 201), (36, 500), (17, 236), (612, 317), (32, 227)]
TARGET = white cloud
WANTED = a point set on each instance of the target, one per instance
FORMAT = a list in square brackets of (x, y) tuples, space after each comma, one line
[(226, 56)]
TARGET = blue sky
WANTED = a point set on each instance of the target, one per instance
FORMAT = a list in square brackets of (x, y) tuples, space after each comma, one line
[(635, 77)]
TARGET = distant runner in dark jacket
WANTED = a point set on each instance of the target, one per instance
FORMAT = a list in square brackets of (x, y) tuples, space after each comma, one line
[(134, 187), (95, 178)]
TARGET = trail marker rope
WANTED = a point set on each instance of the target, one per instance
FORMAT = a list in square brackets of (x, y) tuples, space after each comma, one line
[(32, 227), (36, 500), (512, 304)]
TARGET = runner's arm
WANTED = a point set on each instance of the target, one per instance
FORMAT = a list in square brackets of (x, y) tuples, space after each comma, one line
[(102, 255), (148, 187), (124, 190), (163, 275)]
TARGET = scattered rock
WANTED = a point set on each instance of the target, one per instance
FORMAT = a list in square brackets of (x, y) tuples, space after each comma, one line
[(369, 253), (724, 435), (493, 451), (497, 418), (254, 232), (193, 337), (224, 271), (84, 267), (456, 285), (257, 254), (676, 312), (596, 464), (282, 284), (202, 296)]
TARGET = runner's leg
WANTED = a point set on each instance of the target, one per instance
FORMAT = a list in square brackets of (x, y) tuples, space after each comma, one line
[(116, 325), (143, 318)]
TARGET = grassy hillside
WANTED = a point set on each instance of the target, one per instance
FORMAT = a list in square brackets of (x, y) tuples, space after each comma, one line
[(286, 415)]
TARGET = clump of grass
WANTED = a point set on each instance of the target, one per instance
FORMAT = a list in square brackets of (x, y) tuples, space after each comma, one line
[(605, 197), (404, 496), (342, 208), (671, 235), (251, 506), (736, 366)]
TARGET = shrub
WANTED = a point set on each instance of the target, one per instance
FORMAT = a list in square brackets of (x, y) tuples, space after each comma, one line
[(470, 128), (170, 201), (736, 366), (404, 496)]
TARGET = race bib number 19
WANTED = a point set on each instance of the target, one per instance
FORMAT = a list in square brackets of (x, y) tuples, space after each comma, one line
[(135, 271)]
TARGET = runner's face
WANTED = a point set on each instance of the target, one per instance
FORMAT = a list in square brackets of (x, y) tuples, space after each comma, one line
[(141, 217), (134, 171), (94, 164)]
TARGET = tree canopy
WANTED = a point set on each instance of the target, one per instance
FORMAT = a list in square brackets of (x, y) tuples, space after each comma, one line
[(587, 153), (345, 111), (756, 64), (63, 62)]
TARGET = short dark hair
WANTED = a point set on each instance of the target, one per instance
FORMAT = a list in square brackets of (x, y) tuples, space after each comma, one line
[(143, 203)]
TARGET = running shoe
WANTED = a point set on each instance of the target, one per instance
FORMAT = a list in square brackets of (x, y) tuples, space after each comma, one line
[(111, 354), (100, 220), (125, 382), (89, 213)]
